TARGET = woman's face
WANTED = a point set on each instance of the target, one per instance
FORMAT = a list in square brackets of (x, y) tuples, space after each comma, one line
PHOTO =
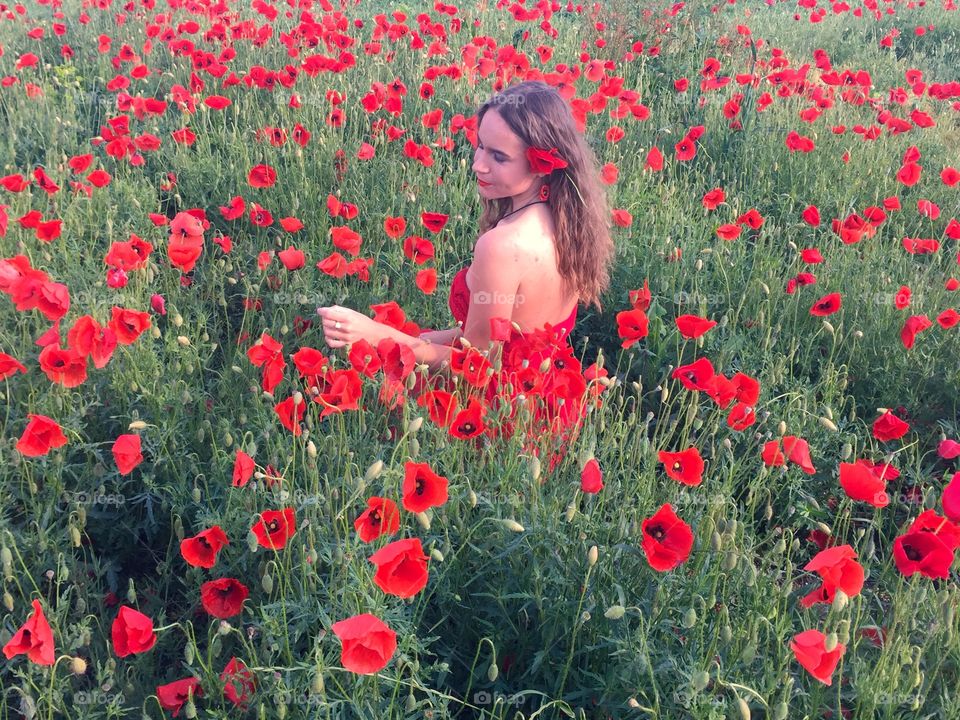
[(500, 161)]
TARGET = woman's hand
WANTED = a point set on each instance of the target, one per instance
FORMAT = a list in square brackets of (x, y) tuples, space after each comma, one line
[(343, 326)]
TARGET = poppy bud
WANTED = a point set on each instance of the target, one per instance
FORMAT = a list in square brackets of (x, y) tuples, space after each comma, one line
[(615, 612), (131, 593), (593, 555), (188, 654), (78, 666), (858, 334), (311, 449), (436, 555), (266, 582), (424, 520), (177, 320), (155, 332), (780, 711), (190, 709), (8, 601), (828, 424), (512, 525), (840, 600), (535, 468), (493, 672), (664, 394), (743, 708), (373, 472), (571, 512), (137, 425), (411, 704), (196, 495), (726, 634), (183, 340), (632, 702), (75, 536), (689, 618), (698, 265), (782, 428), (843, 631), (252, 543), (472, 497), (699, 680), (716, 541), (545, 365), (317, 686), (414, 425), (765, 288)]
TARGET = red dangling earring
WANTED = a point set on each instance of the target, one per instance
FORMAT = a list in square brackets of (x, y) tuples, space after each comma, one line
[(544, 192)]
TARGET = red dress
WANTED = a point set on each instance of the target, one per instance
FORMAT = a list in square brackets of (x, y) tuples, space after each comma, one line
[(556, 396)]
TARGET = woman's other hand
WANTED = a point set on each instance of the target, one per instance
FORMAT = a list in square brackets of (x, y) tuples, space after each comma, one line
[(343, 326)]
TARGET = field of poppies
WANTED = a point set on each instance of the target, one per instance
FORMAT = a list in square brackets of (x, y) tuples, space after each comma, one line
[(208, 512)]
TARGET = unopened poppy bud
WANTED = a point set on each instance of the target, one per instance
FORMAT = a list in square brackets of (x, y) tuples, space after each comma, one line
[(716, 541), (592, 555), (424, 520), (493, 672), (311, 449), (190, 709), (436, 555), (411, 703), (831, 642), (846, 451), (75, 537), (472, 497), (698, 265), (726, 634), (177, 320), (699, 680), (414, 448), (664, 394), (266, 582), (252, 542), (373, 472), (78, 666), (615, 612), (196, 495), (828, 424), (843, 631), (571, 512), (317, 686), (632, 702), (8, 601), (780, 711), (188, 654), (137, 425), (415, 425), (858, 334), (689, 618), (743, 708), (297, 398), (545, 365), (782, 428), (535, 468), (155, 332), (131, 593), (183, 340), (512, 525), (765, 288), (840, 600)]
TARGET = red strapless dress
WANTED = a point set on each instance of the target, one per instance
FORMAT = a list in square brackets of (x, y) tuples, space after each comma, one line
[(557, 396)]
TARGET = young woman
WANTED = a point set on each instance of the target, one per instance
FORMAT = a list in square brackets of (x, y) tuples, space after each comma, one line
[(545, 242)]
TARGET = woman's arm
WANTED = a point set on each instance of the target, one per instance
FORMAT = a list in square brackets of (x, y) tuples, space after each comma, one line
[(443, 337)]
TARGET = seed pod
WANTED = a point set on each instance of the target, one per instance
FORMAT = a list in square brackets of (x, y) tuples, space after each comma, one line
[(615, 612)]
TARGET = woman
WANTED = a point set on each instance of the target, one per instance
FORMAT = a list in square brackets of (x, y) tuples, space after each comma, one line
[(545, 242)]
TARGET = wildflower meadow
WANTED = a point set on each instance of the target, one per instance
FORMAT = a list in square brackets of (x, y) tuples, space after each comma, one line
[(754, 508)]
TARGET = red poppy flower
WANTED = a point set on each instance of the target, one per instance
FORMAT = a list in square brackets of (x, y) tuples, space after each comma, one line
[(132, 632), (772, 455), (667, 540), (811, 215), (238, 682), (342, 391), (367, 643), (685, 466), (632, 326), (798, 451), (126, 453), (418, 249), (839, 569), (914, 324), (693, 326), (697, 375), (686, 149), (909, 174), (41, 435), (713, 198), (382, 517), (741, 417), (889, 427), (441, 406), (292, 258), (809, 648), (401, 568), (34, 638), (951, 498), (10, 366), (472, 365), (201, 549), (234, 209), (654, 160), (243, 466), (262, 176), (923, 552), (65, 367), (394, 227), (346, 239), (260, 216), (728, 232), (422, 487), (640, 299), (128, 325), (591, 477), (861, 484), (545, 160), (223, 598), (426, 281), (930, 521), (947, 319), (275, 528), (291, 414), (827, 305), (173, 696), (468, 422), (434, 221), (811, 256)]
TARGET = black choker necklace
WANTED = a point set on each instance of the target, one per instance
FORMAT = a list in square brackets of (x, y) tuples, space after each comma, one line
[(535, 202)]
